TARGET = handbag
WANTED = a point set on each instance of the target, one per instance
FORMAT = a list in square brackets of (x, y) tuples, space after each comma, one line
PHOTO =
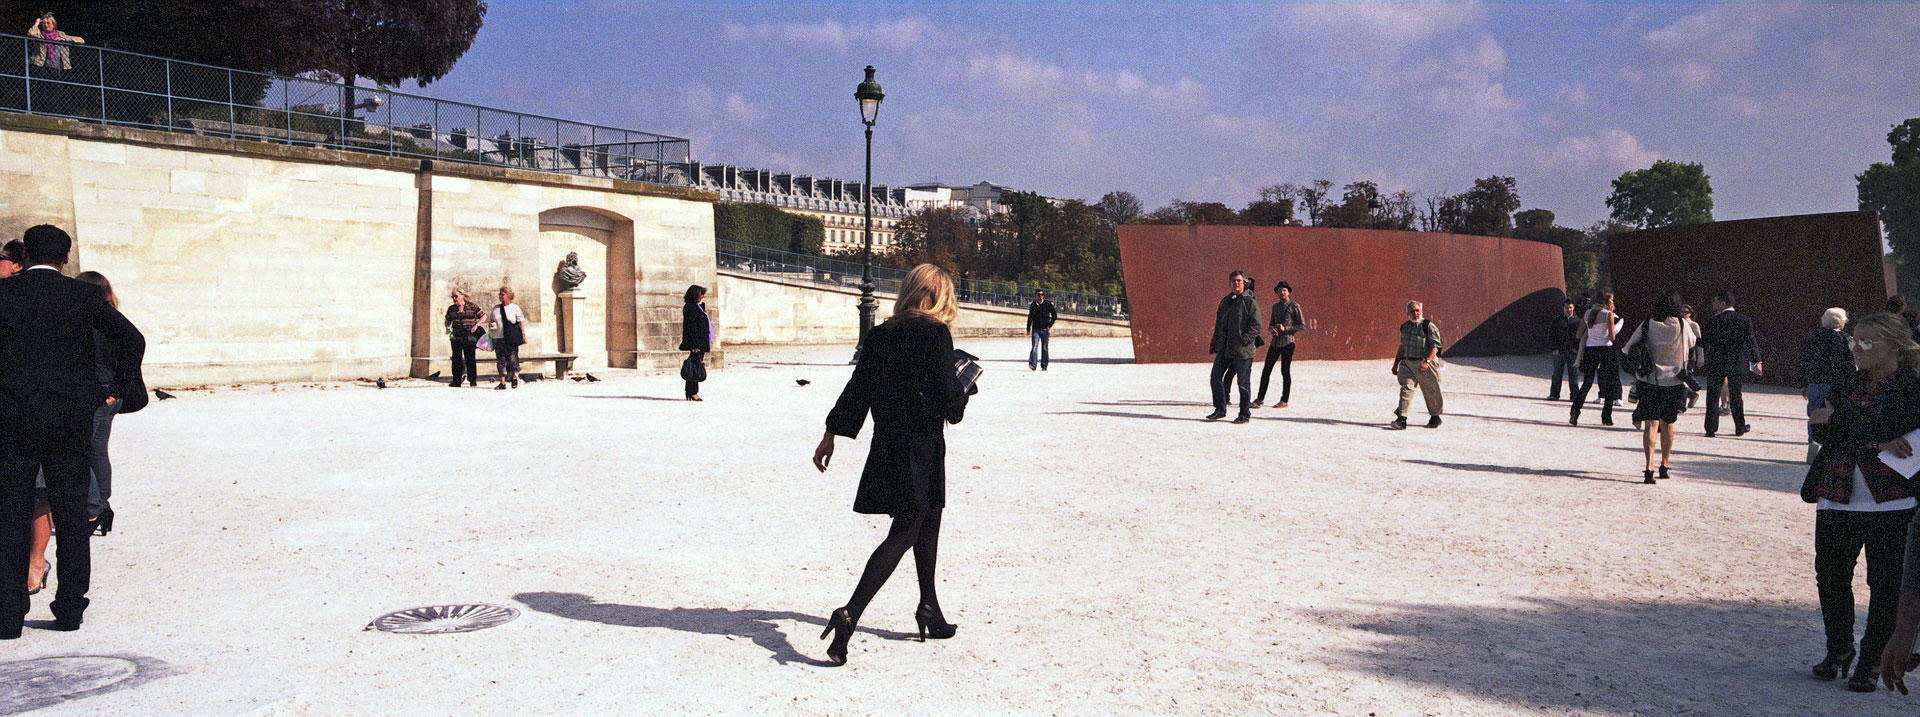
[(693, 369), (967, 367), (1638, 359)]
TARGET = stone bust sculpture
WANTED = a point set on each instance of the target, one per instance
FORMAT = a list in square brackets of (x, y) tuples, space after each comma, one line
[(569, 276)]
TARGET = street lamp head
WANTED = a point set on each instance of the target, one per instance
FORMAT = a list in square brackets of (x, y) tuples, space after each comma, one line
[(869, 95)]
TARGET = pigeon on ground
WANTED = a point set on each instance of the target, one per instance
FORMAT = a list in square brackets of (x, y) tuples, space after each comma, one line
[(801, 381), (577, 379), (379, 383), (435, 374), (162, 395), (593, 378), (531, 377)]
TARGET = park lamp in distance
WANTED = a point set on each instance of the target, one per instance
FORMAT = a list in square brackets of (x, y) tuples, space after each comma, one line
[(869, 95)]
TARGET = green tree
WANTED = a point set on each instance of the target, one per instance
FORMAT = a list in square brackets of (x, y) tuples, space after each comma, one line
[(1487, 209), (1892, 189), (766, 226), (1268, 212), (1117, 208), (1663, 195)]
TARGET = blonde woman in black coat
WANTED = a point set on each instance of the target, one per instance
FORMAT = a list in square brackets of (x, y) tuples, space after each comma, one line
[(906, 380)]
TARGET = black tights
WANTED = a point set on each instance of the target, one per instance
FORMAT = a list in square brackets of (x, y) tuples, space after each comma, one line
[(919, 532), (1285, 355)]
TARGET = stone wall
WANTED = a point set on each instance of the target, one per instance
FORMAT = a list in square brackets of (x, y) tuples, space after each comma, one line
[(250, 261), (760, 309)]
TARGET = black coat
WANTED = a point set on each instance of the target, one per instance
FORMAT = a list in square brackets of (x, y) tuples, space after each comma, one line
[(906, 379), (1236, 326), (48, 353), (1824, 358), (1854, 428), (695, 335), (1730, 343)]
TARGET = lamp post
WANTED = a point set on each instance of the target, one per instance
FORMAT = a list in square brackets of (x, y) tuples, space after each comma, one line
[(869, 95)]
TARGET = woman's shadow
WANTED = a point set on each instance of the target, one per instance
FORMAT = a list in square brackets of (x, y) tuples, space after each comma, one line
[(756, 625)]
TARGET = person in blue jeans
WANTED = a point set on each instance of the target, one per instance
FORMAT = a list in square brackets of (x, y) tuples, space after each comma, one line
[(1565, 335), (1040, 318)]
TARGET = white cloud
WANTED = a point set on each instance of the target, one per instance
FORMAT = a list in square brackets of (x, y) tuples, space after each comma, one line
[(1613, 151), (1468, 82), (829, 34), (1252, 131), (1575, 94), (1035, 79), (902, 34), (1379, 26), (1693, 53)]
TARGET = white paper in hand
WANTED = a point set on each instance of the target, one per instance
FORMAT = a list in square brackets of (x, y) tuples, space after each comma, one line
[(1908, 466)]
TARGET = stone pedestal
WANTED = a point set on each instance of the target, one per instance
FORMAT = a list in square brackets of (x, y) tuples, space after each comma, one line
[(566, 314)]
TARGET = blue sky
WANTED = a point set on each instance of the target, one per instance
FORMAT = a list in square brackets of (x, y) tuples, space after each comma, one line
[(1783, 103)]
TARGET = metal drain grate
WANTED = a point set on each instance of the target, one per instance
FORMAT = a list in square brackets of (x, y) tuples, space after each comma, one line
[(441, 619)]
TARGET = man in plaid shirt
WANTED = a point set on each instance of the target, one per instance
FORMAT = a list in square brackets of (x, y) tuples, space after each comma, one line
[(1418, 363)]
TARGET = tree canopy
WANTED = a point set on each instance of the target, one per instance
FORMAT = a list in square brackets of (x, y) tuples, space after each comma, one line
[(1893, 190), (385, 40), (766, 226), (1664, 195)]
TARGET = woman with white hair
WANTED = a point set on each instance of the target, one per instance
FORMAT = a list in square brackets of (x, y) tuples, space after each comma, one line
[(1824, 361)]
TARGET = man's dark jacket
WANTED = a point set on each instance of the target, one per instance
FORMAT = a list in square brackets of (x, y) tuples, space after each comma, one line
[(1040, 316), (1236, 325), (1730, 343), (48, 356), (1824, 358), (1565, 334)]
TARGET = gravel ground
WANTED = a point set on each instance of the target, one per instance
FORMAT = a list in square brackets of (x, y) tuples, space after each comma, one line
[(1104, 551)]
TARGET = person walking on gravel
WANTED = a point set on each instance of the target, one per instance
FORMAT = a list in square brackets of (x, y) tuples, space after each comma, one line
[(1418, 364), (1236, 327)]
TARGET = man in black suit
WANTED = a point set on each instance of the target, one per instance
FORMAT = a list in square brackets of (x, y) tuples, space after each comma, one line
[(49, 388), (1730, 343)]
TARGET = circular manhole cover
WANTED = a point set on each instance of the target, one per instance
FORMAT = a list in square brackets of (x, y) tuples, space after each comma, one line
[(439, 619)]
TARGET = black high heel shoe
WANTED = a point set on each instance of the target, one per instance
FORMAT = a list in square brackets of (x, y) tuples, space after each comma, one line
[(1663, 473), (1834, 665), (103, 524), (932, 624), (1864, 679), (841, 627), (1647, 477)]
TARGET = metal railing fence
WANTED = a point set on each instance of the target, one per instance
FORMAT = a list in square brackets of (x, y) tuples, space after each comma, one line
[(827, 271), (115, 87)]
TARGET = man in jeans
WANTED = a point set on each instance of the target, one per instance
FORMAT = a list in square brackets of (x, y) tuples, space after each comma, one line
[(1040, 318), (1236, 326), (1416, 363), (1564, 336)]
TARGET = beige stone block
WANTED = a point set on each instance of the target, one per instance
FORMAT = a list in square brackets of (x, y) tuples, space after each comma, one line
[(452, 185), (128, 197), (389, 180), (480, 219), (14, 163), (159, 157), (97, 152), (52, 167), (188, 181)]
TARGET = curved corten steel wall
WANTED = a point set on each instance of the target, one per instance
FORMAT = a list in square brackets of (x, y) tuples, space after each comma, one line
[(1488, 295), (1783, 272)]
